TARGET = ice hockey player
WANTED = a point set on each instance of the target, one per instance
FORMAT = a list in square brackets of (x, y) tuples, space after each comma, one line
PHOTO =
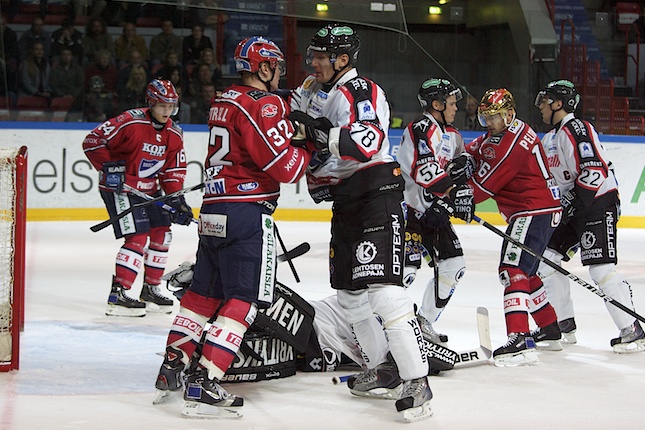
[(348, 117), (428, 146), (512, 170), (143, 149), (249, 155), (589, 196)]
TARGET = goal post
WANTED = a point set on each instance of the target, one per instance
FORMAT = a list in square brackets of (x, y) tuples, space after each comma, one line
[(13, 217)]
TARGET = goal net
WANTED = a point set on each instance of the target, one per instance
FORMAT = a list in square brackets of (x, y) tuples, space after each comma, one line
[(12, 252)]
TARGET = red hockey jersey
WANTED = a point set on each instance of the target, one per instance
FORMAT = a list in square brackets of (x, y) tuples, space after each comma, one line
[(249, 150), (512, 169), (153, 158)]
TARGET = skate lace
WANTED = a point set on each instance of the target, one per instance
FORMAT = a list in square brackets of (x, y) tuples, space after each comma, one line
[(367, 377), (413, 388), (512, 338)]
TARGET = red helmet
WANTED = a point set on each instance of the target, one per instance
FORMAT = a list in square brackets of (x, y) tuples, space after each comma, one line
[(162, 91), (253, 51)]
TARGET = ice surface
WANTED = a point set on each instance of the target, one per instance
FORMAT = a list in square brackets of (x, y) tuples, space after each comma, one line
[(83, 370)]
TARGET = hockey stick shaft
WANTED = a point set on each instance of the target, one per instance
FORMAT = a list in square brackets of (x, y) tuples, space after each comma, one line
[(100, 226), (558, 268), (286, 254), (144, 196)]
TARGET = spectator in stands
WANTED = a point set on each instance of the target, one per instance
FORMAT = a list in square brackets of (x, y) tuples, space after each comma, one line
[(163, 42), (34, 73), (8, 60), (200, 107), (95, 39), (174, 74), (36, 34), (103, 68), (135, 59), (67, 76), (194, 44), (202, 76), (67, 37), (171, 62), (129, 41), (99, 104), (207, 56), (471, 122), (134, 92), (183, 115)]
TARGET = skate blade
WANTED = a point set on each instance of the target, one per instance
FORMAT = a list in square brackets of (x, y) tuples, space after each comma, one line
[(122, 311), (569, 338), (380, 393), (154, 308), (417, 414), (525, 358), (204, 411), (549, 345), (163, 396), (630, 348)]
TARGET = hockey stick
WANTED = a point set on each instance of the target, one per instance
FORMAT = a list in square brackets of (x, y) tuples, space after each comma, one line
[(144, 196), (286, 254), (296, 252), (558, 268), (100, 226), (484, 351)]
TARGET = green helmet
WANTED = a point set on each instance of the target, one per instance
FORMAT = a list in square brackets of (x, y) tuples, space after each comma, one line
[(437, 89), (335, 39), (562, 90)]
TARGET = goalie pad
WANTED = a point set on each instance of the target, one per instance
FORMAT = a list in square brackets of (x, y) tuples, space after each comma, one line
[(439, 358), (261, 357), (289, 318)]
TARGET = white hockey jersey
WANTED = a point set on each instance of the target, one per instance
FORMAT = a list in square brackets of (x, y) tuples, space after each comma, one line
[(359, 111), (425, 151)]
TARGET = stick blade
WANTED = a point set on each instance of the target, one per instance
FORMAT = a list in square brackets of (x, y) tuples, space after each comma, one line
[(483, 328), (299, 250)]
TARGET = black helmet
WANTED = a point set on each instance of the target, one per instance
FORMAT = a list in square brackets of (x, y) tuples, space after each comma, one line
[(560, 90), (335, 39), (437, 89)]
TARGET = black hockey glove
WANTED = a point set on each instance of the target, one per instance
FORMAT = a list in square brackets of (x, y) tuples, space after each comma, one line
[(461, 168), (568, 207), (438, 214), (463, 201), (183, 214), (316, 129), (113, 175)]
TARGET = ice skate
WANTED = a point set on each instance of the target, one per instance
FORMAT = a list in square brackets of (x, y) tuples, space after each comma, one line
[(382, 382), (429, 334), (632, 339), (568, 329), (169, 380), (119, 304), (205, 398), (414, 402), (155, 301), (548, 338), (519, 350)]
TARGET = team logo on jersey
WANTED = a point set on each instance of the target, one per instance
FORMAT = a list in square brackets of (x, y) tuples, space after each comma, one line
[(149, 168), (489, 153), (154, 149), (423, 147), (366, 252), (269, 110), (230, 94), (587, 239), (366, 111), (323, 95), (249, 186), (585, 149)]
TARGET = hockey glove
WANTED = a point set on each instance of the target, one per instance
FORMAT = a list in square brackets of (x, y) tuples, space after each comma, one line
[(463, 201), (438, 214), (113, 175), (183, 213), (316, 129), (568, 207), (461, 168)]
